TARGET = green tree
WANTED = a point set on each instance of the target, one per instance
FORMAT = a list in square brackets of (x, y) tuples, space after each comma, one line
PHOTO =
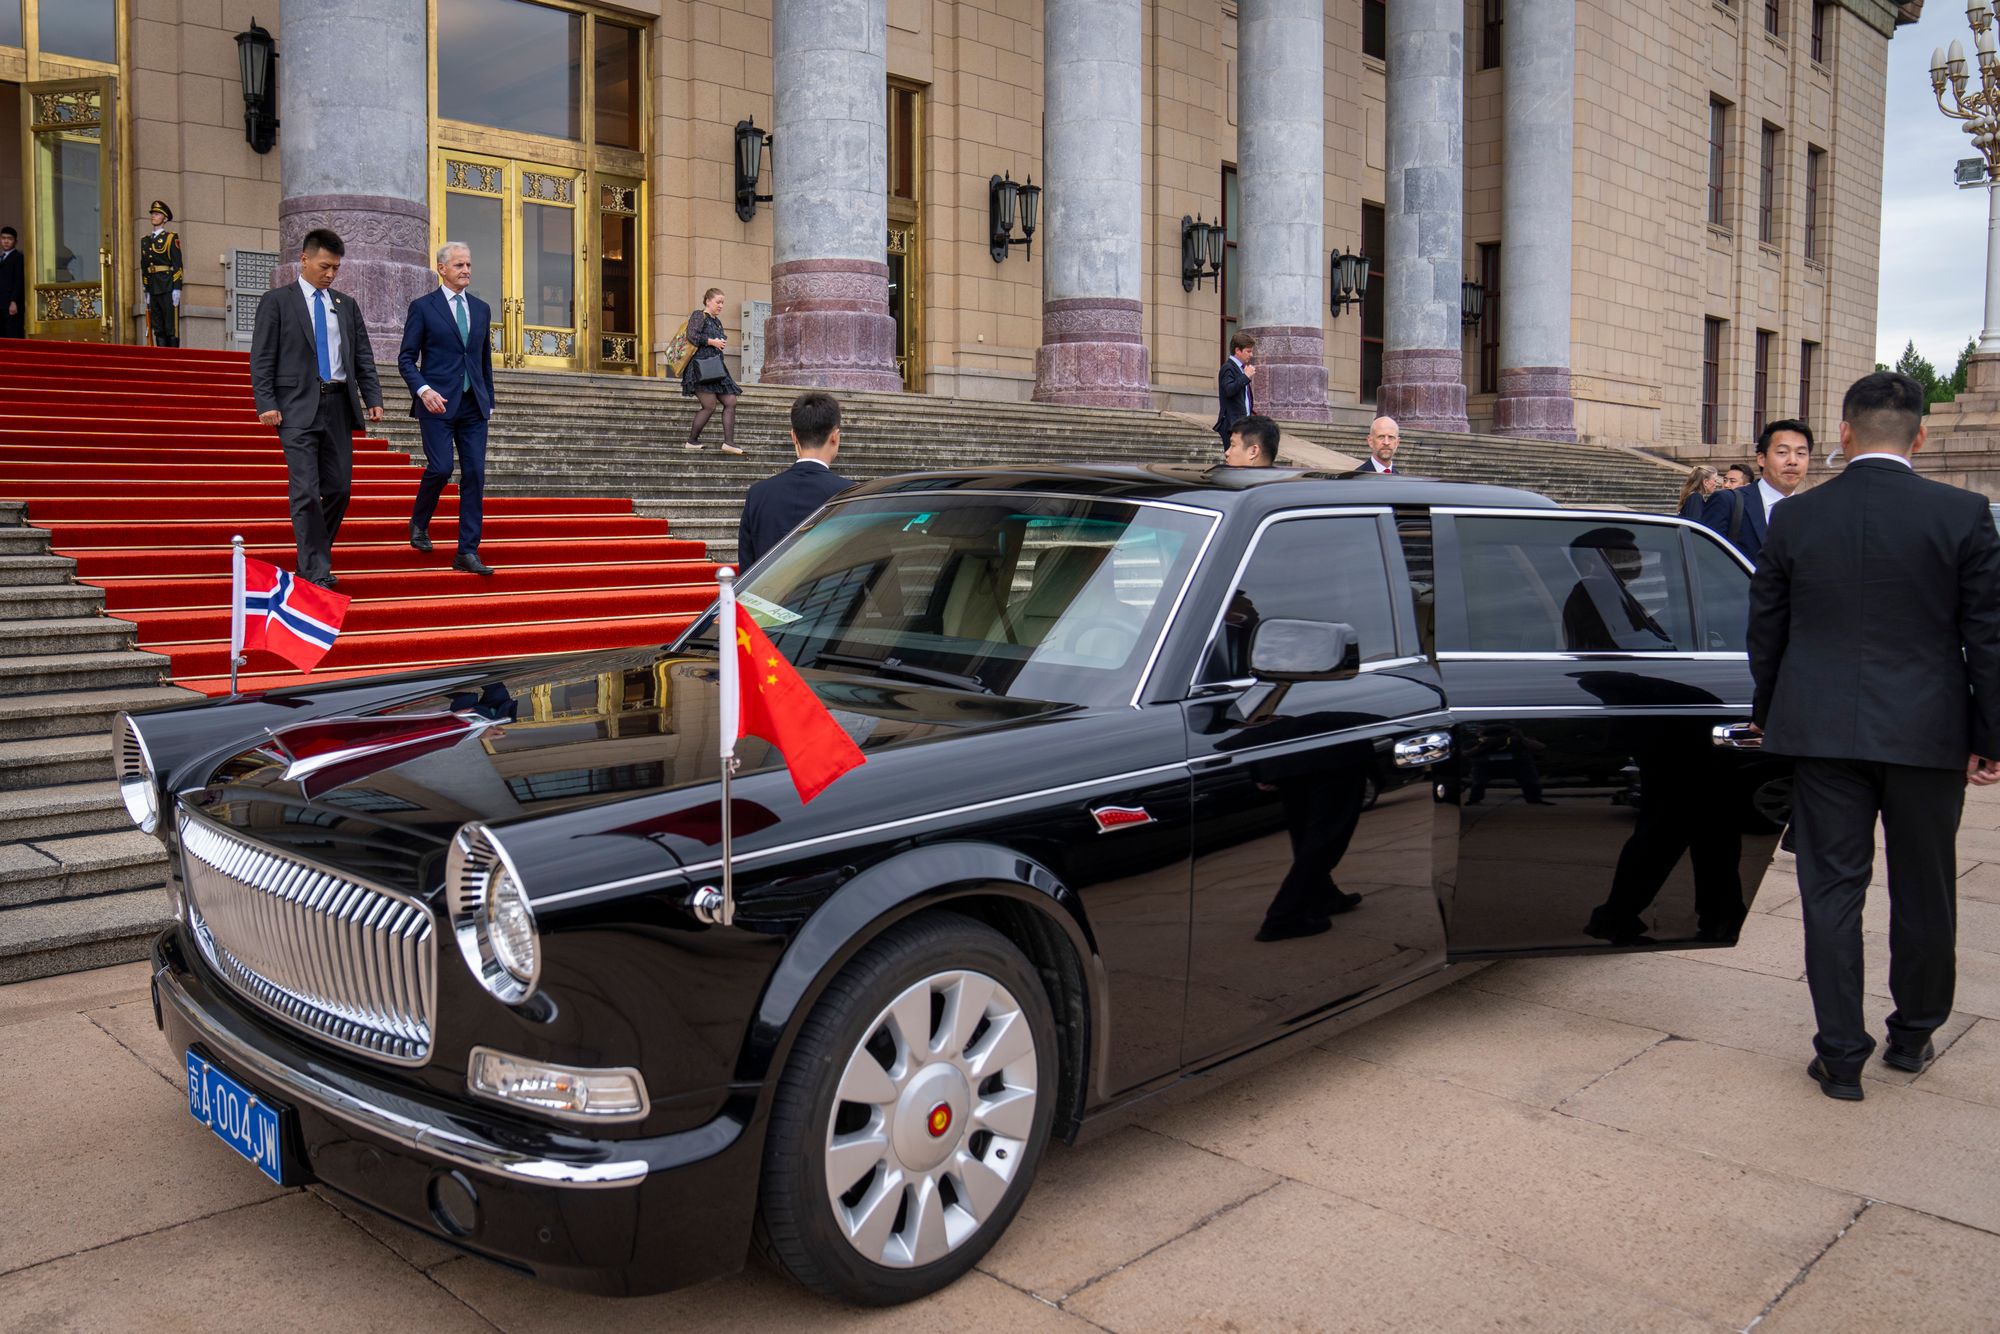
[(1913, 364), (1956, 385)]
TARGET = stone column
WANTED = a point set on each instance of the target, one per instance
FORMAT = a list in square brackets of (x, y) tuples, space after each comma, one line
[(353, 140), (1281, 174), (1423, 383), (1536, 203), (1093, 346), (830, 325)]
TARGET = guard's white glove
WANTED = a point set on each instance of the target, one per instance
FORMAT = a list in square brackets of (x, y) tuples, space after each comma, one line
[(177, 299)]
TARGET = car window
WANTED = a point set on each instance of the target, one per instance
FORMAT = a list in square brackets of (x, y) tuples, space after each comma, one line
[(1314, 569), (1563, 585), (1725, 596)]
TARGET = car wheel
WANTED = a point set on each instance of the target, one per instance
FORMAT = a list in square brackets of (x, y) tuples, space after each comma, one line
[(912, 1114)]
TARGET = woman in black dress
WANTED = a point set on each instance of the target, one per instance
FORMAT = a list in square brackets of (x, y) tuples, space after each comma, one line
[(704, 330)]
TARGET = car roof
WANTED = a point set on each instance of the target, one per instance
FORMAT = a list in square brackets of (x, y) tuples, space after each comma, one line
[(1211, 486)]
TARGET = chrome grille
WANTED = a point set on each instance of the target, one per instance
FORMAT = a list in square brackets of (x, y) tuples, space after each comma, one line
[(349, 962)]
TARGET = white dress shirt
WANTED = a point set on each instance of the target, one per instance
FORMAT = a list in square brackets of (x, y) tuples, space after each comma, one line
[(1772, 495), (450, 297), (332, 327)]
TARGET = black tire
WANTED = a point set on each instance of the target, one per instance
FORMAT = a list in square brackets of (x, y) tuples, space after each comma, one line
[(796, 1224)]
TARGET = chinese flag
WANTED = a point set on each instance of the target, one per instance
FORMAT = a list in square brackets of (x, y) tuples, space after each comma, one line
[(775, 704)]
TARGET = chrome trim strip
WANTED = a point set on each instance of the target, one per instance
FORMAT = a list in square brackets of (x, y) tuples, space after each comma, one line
[(783, 849), (1504, 711), (1174, 612), (1523, 655), (1384, 728), (400, 1125)]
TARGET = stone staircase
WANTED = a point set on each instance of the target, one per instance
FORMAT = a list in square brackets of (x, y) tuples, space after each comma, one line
[(79, 886)]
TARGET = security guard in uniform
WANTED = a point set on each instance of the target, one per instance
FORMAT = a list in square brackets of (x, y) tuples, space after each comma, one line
[(160, 269)]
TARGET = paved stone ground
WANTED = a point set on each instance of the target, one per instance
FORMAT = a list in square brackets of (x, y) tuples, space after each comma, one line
[(1621, 1143)]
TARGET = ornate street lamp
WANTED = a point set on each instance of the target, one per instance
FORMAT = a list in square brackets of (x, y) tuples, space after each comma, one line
[(1003, 197), (750, 144), (1471, 303), (1348, 275), (1202, 245), (257, 54), (1980, 110)]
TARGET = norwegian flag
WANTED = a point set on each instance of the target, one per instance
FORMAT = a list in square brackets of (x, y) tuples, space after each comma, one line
[(276, 611)]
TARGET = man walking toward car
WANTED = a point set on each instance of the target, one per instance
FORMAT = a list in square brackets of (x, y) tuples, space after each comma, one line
[(1743, 515), (447, 361), (776, 505), (1875, 648)]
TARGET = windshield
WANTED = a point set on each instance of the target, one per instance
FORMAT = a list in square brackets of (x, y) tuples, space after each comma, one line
[(1032, 597)]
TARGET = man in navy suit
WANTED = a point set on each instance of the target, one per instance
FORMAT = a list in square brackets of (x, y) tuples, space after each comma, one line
[(1232, 385), (1384, 437), (1743, 515), (779, 504), (447, 360)]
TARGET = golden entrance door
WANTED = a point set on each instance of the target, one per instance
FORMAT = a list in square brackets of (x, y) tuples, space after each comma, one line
[(524, 224), (905, 242), (73, 286)]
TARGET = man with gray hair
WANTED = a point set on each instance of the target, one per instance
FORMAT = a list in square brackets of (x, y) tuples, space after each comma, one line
[(447, 361)]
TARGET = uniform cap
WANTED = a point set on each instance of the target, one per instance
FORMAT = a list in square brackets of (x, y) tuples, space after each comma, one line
[(160, 207)]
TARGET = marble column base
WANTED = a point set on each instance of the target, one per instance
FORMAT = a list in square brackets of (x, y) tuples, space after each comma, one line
[(1291, 373), (1535, 403), (387, 265), (830, 326), (1424, 390), (1093, 354)]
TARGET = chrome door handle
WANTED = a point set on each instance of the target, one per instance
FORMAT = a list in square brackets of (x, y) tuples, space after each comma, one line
[(1738, 736), (1414, 752)]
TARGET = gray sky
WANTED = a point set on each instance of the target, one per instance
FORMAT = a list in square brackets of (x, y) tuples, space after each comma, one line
[(1933, 233)]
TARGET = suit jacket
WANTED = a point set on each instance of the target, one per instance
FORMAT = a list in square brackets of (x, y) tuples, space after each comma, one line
[(1718, 509), (13, 281), (1232, 387), (284, 362), (778, 504), (433, 354), (1875, 622), (1370, 465)]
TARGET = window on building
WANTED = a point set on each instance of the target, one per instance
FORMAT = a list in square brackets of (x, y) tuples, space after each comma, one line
[(1712, 338), (619, 83), (86, 29), (1819, 31), (1808, 354), (1374, 245), (1489, 324), (10, 23), (1773, 17), (1492, 13), (1760, 384), (511, 66), (1767, 187), (1815, 164), (1718, 162), (1232, 286), (1375, 28)]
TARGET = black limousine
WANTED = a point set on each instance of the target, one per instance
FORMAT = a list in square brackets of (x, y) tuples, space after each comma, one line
[(1165, 769)]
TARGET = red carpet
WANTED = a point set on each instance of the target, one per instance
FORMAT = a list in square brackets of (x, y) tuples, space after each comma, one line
[(144, 462)]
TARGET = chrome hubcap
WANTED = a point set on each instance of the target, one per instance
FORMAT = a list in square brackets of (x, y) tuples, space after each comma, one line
[(931, 1119)]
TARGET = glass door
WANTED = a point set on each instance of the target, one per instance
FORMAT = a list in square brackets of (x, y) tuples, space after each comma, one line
[(475, 212), (72, 193), (619, 266), (520, 220)]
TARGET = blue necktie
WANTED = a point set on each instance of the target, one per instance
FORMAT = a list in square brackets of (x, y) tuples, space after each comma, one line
[(319, 336)]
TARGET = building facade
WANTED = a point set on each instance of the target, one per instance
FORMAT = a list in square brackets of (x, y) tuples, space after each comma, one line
[(1670, 210)]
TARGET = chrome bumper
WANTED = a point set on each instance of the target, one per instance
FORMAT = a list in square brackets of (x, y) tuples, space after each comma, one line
[(400, 1121)]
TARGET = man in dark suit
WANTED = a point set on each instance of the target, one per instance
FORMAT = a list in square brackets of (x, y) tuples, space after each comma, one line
[(1253, 443), (1384, 438), (1232, 385), (1743, 515), (13, 286), (1875, 648), (447, 361), (776, 505), (313, 378)]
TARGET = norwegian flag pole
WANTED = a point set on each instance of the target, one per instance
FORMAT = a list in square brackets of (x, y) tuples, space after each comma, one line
[(235, 608), (720, 909)]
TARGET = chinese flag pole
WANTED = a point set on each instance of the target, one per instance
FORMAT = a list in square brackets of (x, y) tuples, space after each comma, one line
[(731, 704)]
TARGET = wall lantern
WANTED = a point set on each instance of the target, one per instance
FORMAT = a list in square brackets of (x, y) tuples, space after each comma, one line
[(1348, 274), (258, 56), (1472, 304), (1003, 197), (1202, 244), (750, 145)]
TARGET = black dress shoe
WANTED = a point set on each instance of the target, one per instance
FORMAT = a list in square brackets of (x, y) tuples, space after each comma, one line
[(1292, 928), (1847, 1090), (469, 562), (328, 582), (419, 539), (1902, 1058)]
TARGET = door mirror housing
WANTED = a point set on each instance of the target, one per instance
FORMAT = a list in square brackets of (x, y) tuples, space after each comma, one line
[(1287, 650)]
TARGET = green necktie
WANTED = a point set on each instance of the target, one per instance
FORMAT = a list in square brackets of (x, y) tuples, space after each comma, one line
[(464, 333)]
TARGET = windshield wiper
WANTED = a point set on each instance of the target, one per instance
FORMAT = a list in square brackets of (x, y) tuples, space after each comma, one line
[(897, 667)]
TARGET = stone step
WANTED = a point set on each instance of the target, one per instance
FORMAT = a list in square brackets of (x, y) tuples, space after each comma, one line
[(20, 540), (36, 674), (35, 570), (66, 635), (39, 761), (79, 866), (50, 938), (62, 809), (13, 513), (80, 712), (49, 601)]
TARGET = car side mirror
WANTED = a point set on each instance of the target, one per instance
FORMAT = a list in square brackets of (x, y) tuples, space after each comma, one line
[(1286, 651)]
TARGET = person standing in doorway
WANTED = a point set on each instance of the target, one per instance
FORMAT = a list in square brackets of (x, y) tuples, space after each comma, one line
[(312, 377), (13, 286), (160, 274), (447, 361), (706, 378), (1233, 392)]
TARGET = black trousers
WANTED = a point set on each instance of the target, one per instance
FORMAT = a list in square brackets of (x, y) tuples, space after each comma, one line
[(166, 325), (319, 468), (1834, 806)]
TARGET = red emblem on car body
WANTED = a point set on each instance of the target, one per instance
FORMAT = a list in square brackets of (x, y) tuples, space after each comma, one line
[(1119, 817)]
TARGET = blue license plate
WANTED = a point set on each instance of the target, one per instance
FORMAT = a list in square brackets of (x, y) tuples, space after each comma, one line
[(239, 1118)]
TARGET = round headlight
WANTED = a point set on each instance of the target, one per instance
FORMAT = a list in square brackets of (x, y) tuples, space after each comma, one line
[(491, 917), (137, 783)]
